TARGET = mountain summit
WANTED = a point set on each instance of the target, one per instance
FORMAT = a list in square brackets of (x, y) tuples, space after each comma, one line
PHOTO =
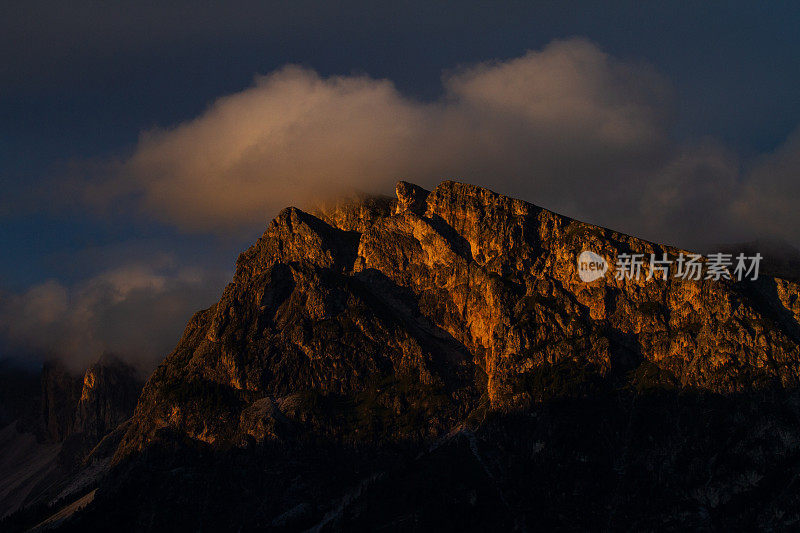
[(435, 360)]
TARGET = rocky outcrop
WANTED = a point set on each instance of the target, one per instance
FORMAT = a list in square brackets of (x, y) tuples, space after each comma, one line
[(56, 427), (90, 405), (108, 397), (450, 327), (464, 292)]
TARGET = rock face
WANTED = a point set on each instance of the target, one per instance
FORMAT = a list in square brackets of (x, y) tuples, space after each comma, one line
[(58, 418), (60, 395), (108, 397), (448, 330), (90, 405), (462, 291)]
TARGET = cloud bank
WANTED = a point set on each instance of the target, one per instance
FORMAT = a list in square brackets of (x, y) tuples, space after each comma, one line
[(136, 311), (557, 126), (568, 127)]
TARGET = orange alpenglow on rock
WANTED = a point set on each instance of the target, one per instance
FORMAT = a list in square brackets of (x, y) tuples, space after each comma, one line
[(458, 290)]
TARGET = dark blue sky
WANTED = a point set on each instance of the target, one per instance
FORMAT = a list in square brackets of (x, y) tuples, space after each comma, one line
[(80, 80)]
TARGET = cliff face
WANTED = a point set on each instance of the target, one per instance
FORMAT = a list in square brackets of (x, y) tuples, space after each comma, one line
[(108, 397), (435, 359), (90, 405), (461, 292), (55, 428), (60, 394)]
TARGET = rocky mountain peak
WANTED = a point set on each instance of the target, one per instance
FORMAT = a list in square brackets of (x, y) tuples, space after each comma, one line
[(411, 198), (459, 290), (422, 359)]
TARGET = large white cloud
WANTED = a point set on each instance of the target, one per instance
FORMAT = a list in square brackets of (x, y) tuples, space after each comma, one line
[(569, 127), (538, 126)]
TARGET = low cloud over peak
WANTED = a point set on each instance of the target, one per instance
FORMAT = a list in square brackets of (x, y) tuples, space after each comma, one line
[(568, 127)]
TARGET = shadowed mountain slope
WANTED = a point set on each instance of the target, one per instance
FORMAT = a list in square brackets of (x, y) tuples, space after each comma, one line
[(434, 360)]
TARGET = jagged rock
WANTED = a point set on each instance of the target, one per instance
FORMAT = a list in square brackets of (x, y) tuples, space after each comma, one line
[(410, 197), (447, 336), (458, 290), (90, 405), (108, 396), (59, 427)]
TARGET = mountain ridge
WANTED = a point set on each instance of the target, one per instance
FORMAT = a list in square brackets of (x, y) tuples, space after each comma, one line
[(386, 332), (476, 265)]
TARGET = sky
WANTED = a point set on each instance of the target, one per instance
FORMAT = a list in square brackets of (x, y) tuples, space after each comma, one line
[(143, 145)]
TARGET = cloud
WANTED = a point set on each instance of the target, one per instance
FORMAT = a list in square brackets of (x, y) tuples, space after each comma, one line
[(771, 191), (535, 124), (569, 127), (136, 311)]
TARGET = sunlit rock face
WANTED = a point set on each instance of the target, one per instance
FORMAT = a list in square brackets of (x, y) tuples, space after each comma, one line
[(435, 305), (436, 359)]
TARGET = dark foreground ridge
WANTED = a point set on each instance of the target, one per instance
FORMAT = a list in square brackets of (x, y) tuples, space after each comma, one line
[(434, 361)]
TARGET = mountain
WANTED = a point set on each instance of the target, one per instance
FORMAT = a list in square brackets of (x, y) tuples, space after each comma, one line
[(109, 392), (82, 409), (434, 360), (56, 419), (61, 392)]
